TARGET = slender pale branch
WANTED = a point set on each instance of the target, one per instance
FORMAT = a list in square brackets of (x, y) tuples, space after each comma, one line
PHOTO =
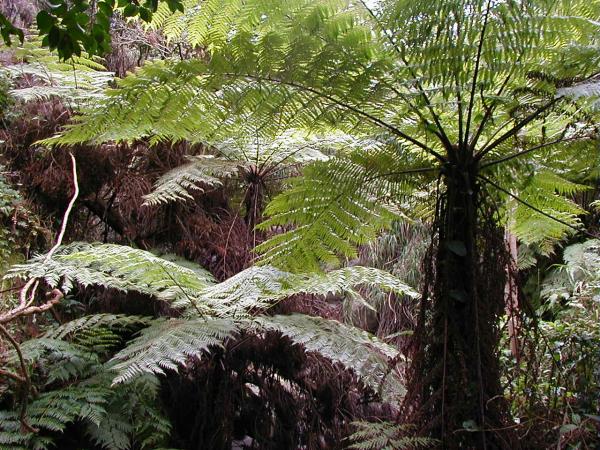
[(67, 211)]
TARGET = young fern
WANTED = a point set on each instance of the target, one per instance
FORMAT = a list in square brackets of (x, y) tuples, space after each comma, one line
[(78, 388)]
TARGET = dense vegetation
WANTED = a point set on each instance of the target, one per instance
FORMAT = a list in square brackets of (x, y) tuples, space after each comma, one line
[(305, 224)]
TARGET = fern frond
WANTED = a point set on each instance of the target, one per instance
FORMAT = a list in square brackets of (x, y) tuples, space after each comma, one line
[(79, 80), (259, 287), (335, 206), (133, 414), (203, 170), (386, 436), (113, 416), (549, 193), (121, 322), (58, 360), (357, 350), (52, 412), (116, 267), (166, 344)]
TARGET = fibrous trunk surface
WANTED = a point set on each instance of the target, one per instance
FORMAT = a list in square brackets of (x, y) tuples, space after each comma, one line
[(456, 390)]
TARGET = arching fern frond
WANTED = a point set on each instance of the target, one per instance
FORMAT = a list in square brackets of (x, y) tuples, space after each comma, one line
[(78, 80), (259, 287), (337, 205), (201, 171), (357, 350), (386, 436), (166, 344), (116, 267)]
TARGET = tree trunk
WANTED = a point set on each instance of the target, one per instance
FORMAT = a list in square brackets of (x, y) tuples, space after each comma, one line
[(511, 295), (460, 394)]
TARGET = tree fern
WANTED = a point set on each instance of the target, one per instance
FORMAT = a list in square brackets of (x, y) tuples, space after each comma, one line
[(459, 92), (239, 155), (387, 77)]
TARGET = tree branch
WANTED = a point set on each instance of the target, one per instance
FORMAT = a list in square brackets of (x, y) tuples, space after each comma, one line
[(63, 227)]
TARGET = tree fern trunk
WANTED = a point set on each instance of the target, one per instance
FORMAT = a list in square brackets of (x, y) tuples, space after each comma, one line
[(459, 376)]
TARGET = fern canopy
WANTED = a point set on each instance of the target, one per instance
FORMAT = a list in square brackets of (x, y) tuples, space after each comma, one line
[(424, 78)]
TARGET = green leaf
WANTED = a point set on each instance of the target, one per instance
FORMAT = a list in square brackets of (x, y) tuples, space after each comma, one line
[(45, 21)]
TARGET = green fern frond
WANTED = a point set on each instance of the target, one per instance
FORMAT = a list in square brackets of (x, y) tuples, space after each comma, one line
[(549, 193), (58, 360), (98, 333), (113, 416), (357, 350), (120, 322), (78, 80), (203, 170), (133, 414), (386, 436), (52, 412), (259, 287), (335, 206), (116, 267), (166, 344)]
